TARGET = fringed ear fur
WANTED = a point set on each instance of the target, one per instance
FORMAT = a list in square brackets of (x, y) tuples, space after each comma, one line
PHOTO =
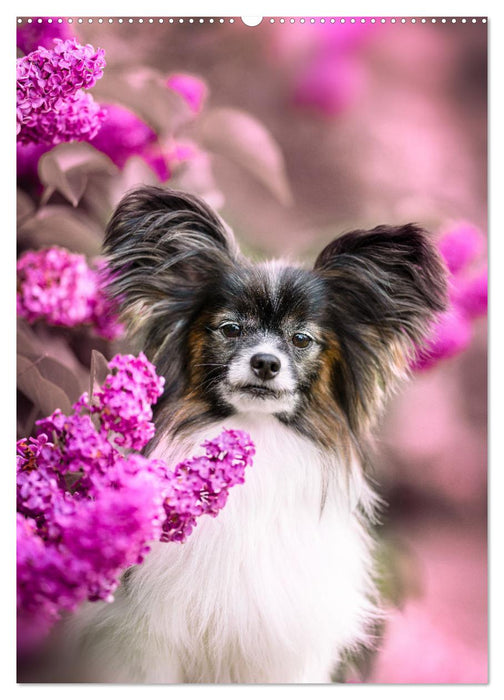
[(163, 248), (385, 286)]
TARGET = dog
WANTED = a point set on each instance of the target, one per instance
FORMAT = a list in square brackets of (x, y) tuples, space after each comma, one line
[(281, 586)]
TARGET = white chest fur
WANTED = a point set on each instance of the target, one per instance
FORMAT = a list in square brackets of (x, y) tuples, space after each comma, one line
[(272, 590)]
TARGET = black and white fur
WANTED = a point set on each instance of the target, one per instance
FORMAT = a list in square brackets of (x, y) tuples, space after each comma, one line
[(280, 585)]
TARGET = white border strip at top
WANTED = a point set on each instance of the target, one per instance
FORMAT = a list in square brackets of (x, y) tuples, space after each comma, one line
[(271, 20)]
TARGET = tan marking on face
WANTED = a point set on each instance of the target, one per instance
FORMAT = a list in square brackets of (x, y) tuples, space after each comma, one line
[(197, 341)]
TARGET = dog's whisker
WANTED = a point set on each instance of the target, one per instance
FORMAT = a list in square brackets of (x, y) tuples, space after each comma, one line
[(210, 364)]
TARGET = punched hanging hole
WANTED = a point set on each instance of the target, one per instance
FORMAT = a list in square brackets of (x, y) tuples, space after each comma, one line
[(251, 21)]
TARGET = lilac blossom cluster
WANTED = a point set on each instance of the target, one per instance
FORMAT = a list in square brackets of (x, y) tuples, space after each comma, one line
[(52, 106), (461, 248), (77, 118), (200, 485), (125, 400), (81, 528), (49, 118), (88, 508), (112, 128), (63, 290)]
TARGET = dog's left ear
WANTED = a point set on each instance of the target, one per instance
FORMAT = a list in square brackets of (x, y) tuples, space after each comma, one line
[(385, 287)]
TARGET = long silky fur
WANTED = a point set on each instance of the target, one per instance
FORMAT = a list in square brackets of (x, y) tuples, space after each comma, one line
[(163, 248), (281, 584), (384, 286)]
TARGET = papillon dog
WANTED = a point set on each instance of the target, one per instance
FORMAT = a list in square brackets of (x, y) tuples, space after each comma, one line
[(281, 585)]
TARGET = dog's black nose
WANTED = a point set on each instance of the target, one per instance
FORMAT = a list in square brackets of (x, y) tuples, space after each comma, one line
[(265, 366)]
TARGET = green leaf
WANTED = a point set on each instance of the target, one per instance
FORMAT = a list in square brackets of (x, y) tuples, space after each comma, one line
[(26, 340), (63, 226), (98, 371), (99, 203), (43, 393), (243, 140), (67, 167), (48, 381), (25, 206)]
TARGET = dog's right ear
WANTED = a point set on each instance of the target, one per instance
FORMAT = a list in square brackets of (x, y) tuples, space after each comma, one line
[(163, 248)]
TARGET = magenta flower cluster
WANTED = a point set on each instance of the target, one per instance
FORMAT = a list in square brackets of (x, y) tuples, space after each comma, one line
[(88, 508), (124, 400), (78, 118), (201, 485), (88, 513), (462, 248), (52, 106), (111, 128), (63, 290)]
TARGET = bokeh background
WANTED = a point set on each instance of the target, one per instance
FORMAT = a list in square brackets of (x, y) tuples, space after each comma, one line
[(298, 132)]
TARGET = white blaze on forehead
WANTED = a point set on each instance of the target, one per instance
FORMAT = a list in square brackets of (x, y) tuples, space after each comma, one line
[(240, 371), (272, 270)]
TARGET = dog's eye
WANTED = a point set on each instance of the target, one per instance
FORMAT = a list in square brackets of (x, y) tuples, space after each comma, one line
[(230, 330), (301, 340)]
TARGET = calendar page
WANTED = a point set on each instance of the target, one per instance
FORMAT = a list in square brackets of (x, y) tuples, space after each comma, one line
[(252, 349)]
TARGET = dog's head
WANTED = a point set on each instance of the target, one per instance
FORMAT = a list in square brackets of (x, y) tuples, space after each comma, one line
[(318, 348)]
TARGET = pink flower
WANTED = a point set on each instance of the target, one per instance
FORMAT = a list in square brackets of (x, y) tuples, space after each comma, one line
[(60, 288), (77, 118), (181, 151), (306, 41), (29, 450), (112, 531), (449, 336), (37, 490), (201, 485), (328, 84), (44, 584), (178, 152), (51, 106), (123, 135), (461, 248), (470, 294), (55, 285), (87, 511), (192, 89), (325, 58), (125, 399)]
